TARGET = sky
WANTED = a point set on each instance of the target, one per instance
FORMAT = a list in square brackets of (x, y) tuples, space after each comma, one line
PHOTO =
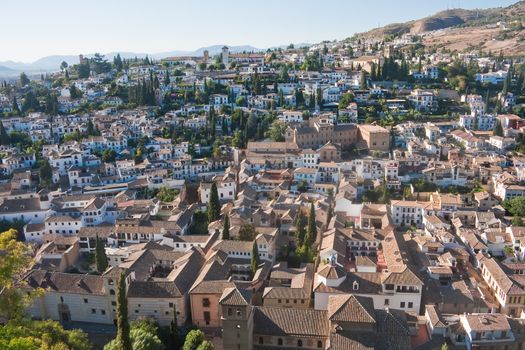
[(31, 29)]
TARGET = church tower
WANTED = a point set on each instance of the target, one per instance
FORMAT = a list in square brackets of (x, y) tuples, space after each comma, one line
[(237, 319)]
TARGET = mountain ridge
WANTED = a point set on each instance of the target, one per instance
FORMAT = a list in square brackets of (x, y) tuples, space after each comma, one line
[(448, 19), (52, 62)]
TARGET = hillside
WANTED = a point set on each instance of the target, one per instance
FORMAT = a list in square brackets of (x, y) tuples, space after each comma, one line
[(460, 29)]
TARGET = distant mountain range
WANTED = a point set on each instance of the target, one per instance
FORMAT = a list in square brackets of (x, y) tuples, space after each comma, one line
[(52, 63)]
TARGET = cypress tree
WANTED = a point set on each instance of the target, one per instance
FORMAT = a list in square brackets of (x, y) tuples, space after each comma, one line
[(214, 206), (16, 109), (300, 227), (506, 84), (4, 137), (255, 258), (311, 233), (319, 97), (226, 228), (101, 258), (498, 129), (123, 337), (311, 102)]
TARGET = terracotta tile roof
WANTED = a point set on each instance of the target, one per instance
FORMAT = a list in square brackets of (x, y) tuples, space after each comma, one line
[(291, 322), (351, 308), (235, 297), (66, 282)]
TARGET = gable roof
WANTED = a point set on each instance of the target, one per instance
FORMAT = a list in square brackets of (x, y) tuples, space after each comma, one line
[(235, 297), (351, 308)]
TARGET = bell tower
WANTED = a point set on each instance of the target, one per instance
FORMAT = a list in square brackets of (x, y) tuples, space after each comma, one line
[(237, 319)]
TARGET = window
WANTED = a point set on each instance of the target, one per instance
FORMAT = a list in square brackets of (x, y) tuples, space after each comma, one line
[(299, 343), (103, 312), (261, 340), (85, 301), (280, 341), (170, 304), (402, 305), (206, 302), (93, 311), (111, 292), (114, 303), (320, 344), (410, 304), (230, 312), (61, 299), (207, 317), (387, 302), (238, 311)]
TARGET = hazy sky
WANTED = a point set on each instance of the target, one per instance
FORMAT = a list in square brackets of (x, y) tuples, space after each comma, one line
[(30, 29)]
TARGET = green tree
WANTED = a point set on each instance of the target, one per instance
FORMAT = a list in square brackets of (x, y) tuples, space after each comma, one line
[(193, 340), (498, 129), (123, 330), (254, 264), (45, 172), (4, 137), (20, 332), (72, 136), (300, 227), (517, 221), (276, 131), (345, 100), (214, 206), (38, 335), (167, 194), (144, 336), (16, 108), (205, 345), (241, 101), (247, 232), (319, 97), (311, 232), (142, 340), (90, 128), (117, 62), (515, 206), (83, 70), (226, 227), (101, 258), (15, 260), (24, 80), (237, 140), (311, 101), (109, 156)]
